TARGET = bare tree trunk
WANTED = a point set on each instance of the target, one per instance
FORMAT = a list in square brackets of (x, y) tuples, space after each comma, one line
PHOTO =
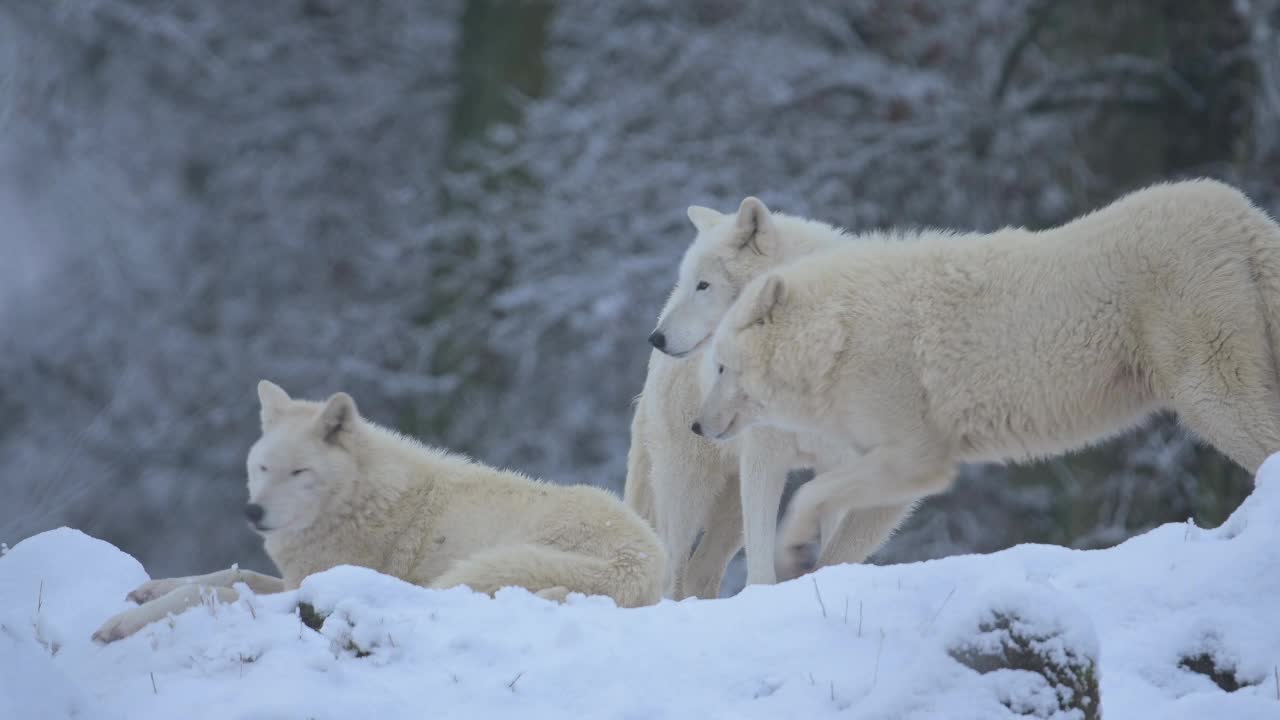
[(1207, 49), (500, 59)]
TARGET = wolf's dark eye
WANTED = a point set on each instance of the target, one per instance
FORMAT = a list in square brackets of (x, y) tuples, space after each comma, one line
[(298, 472), (720, 371), (263, 468), (703, 285)]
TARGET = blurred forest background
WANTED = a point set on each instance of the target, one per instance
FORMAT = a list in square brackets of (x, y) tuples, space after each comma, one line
[(468, 213)]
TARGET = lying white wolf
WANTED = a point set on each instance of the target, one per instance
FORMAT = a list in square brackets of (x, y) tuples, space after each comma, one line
[(683, 483), (327, 488), (941, 348)]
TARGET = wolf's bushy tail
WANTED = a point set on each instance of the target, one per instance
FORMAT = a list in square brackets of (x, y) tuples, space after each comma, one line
[(1264, 239)]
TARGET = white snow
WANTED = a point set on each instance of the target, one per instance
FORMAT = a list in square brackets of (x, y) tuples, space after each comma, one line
[(851, 641)]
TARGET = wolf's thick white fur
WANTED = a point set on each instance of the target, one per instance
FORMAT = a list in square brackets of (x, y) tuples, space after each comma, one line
[(336, 489), (936, 348), (683, 483)]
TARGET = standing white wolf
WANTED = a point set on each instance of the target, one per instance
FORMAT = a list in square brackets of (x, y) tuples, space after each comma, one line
[(327, 488), (683, 483), (939, 348)]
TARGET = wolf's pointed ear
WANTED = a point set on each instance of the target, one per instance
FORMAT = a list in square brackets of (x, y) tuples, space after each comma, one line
[(338, 416), (703, 217), (756, 229), (772, 295), (273, 399)]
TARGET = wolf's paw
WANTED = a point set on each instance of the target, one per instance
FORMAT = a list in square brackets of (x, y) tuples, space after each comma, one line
[(122, 626), (556, 594), (152, 589), (792, 561)]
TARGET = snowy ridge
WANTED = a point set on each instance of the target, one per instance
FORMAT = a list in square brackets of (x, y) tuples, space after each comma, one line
[(851, 641)]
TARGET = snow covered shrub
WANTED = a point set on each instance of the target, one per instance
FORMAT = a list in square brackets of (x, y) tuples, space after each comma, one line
[(1041, 634)]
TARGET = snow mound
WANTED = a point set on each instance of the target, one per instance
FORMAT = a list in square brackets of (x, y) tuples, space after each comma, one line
[(1181, 622)]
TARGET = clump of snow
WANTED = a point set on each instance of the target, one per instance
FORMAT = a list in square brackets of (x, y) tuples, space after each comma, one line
[(1157, 623)]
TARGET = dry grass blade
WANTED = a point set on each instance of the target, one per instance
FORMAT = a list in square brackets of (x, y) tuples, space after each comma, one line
[(818, 593)]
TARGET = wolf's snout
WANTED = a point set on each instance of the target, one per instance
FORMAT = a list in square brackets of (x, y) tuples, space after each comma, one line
[(254, 512), (696, 427), (658, 340)]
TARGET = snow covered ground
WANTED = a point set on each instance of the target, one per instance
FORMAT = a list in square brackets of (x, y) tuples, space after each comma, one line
[(853, 641)]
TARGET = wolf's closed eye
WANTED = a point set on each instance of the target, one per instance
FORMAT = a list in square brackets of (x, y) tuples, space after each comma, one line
[(299, 471)]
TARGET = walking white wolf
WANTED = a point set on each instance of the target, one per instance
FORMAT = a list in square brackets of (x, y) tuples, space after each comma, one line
[(937, 348), (327, 488), (683, 483)]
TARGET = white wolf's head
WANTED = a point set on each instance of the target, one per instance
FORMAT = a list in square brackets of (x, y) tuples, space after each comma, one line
[(303, 462), (768, 356), (726, 254)]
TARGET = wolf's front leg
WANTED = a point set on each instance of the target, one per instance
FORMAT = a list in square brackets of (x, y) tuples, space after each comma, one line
[(257, 582), (762, 465), (721, 539), (131, 621), (886, 476)]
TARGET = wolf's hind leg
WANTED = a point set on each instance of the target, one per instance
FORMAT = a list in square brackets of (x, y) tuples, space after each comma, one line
[(555, 594), (551, 572), (1229, 399)]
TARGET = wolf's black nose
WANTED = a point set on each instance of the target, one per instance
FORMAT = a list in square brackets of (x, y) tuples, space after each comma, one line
[(657, 339), (696, 428), (254, 512)]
